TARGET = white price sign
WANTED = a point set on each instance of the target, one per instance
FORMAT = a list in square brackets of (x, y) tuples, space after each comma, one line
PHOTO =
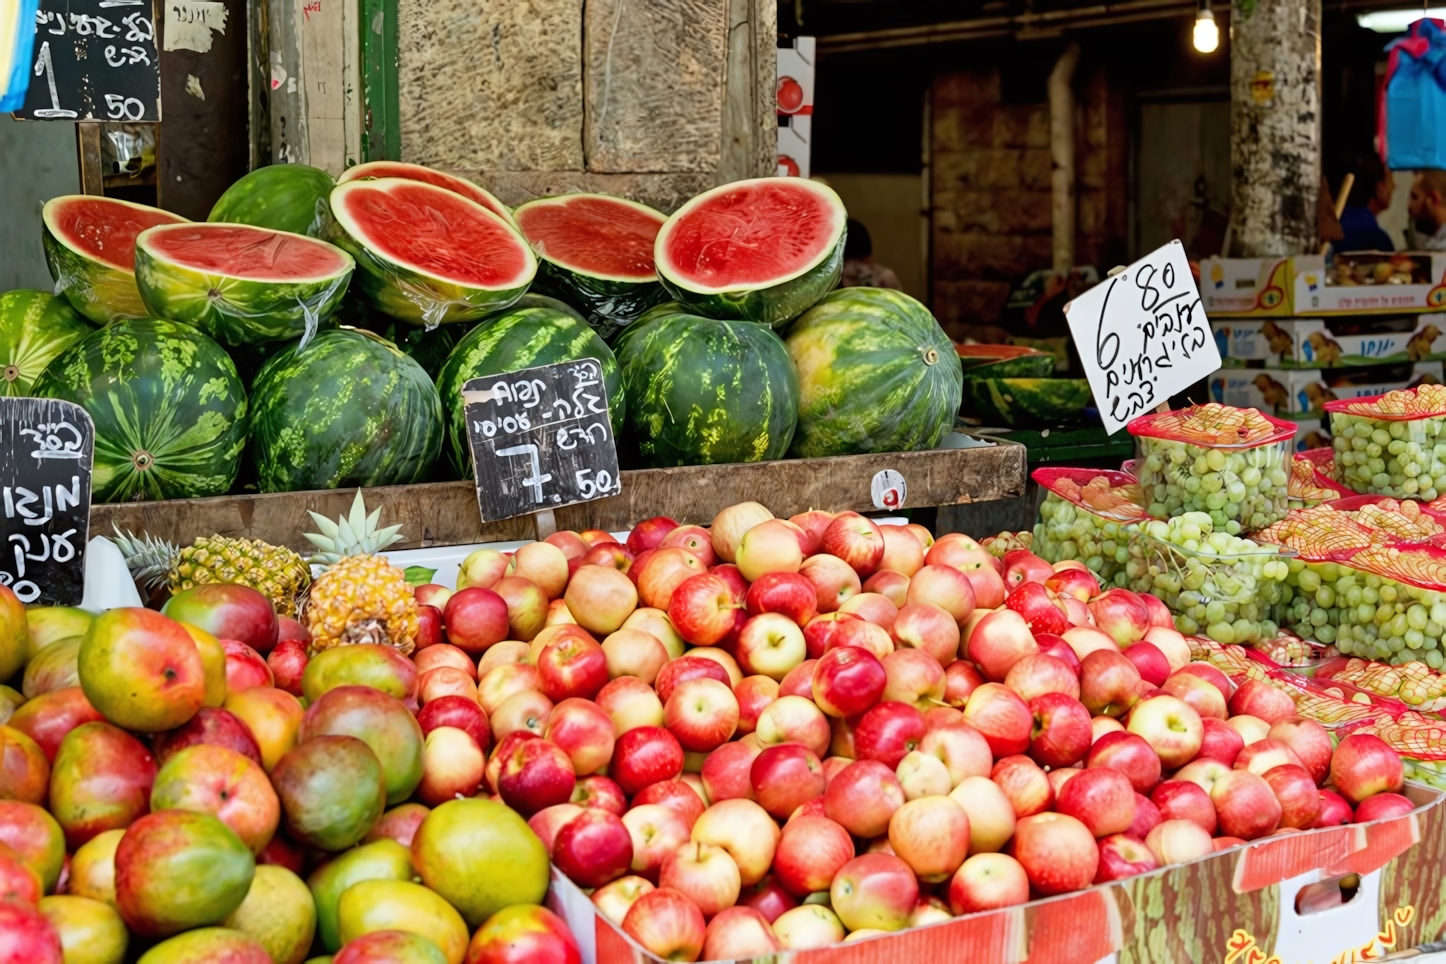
[(1142, 336)]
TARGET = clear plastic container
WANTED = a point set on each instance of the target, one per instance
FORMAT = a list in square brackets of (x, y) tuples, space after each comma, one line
[(1088, 515), (1226, 588), (1392, 444), (1309, 486), (1231, 463)]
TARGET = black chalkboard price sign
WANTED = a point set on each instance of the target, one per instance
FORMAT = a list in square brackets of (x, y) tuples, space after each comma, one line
[(541, 439), (46, 448), (95, 60)]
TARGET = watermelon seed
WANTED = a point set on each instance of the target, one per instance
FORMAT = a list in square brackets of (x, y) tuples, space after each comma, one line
[(931, 355), (142, 460), (12, 372)]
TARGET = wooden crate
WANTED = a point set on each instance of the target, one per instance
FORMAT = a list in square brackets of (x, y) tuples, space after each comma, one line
[(445, 513)]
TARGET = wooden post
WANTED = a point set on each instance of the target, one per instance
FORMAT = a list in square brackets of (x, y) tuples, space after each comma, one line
[(88, 153), (1275, 130), (1061, 150)]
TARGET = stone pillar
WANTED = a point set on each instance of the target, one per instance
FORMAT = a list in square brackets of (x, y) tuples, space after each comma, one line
[(1275, 126)]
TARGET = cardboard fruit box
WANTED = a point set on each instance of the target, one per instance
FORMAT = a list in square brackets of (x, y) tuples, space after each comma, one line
[(1298, 392), (1342, 342), (1351, 893), (1245, 287), (1368, 282)]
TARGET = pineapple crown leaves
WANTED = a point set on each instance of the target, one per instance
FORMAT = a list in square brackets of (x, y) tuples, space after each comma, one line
[(354, 534), (147, 558)]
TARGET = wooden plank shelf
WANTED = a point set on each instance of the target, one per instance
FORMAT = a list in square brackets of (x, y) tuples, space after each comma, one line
[(445, 513)]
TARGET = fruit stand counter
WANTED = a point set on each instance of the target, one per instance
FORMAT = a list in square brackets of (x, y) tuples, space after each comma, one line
[(445, 513)]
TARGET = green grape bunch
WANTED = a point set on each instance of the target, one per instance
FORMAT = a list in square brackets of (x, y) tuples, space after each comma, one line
[(1366, 615), (1067, 531), (1239, 489), (1403, 459)]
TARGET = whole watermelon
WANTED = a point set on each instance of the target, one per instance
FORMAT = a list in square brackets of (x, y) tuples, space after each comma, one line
[(511, 341), (702, 391), (282, 197), (35, 326), (876, 373), (349, 409), (168, 407)]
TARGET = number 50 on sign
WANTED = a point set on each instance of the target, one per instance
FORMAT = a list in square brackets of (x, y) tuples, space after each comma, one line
[(1142, 336)]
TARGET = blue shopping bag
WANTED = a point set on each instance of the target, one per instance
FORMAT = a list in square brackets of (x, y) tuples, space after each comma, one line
[(16, 45), (1412, 115)]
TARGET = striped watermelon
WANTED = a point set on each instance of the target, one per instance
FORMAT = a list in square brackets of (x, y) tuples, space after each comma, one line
[(518, 339), (90, 245), (429, 255), (1027, 402), (373, 170), (239, 284), (596, 251), (876, 373), (281, 197), (34, 328), (347, 409), (762, 250), (168, 407), (702, 391)]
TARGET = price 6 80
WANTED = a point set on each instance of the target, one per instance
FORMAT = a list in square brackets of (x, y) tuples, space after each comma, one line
[(507, 424)]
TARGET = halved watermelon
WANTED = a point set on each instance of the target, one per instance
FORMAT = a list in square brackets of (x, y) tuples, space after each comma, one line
[(429, 255), (1004, 361), (90, 244), (596, 251), (763, 250), (240, 284), (416, 172), (1025, 402)]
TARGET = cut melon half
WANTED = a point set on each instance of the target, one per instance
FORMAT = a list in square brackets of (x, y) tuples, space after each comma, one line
[(90, 244), (763, 250), (416, 172), (429, 255), (241, 284), (596, 252)]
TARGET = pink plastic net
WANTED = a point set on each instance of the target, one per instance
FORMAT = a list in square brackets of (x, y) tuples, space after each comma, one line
[(1113, 495), (1402, 405), (1215, 426)]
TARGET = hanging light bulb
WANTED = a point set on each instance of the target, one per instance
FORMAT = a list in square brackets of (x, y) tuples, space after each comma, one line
[(1207, 33)]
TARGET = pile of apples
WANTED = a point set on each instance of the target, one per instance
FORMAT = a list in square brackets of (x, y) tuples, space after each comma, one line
[(781, 734)]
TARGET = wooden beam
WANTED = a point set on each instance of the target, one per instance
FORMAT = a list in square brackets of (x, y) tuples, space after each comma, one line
[(88, 156), (445, 513)]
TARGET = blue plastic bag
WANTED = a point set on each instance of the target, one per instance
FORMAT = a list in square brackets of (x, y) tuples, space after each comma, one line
[(1412, 118), (17, 41)]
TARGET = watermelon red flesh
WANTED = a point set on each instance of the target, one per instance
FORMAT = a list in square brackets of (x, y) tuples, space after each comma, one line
[(254, 254), (90, 250), (605, 237), (416, 172)]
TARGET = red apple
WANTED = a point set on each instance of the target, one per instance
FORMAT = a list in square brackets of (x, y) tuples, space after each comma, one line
[(1153, 666), (1026, 786), (999, 640), (584, 732), (770, 546), (1100, 798), (754, 693), (787, 593), (630, 703), (876, 890), (988, 881), (822, 632), (768, 898), (1172, 728), (847, 681), (702, 609), (861, 633), (1183, 800), (1022, 567), (1178, 842), (462, 713), (1058, 647), (524, 711), (1120, 614), (1310, 742), (914, 677), (676, 795), (1170, 643), (813, 523), (614, 900), (1252, 729), (856, 540), (1264, 754), (1296, 793), (1121, 856), (1109, 683), (572, 667), (1147, 817), (1100, 725), (696, 540), (794, 719), (1334, 810), (923, 775), (1036, 675), (666, 923), (643, 756), (1058, 778), (245, 667), (1077, 582), (1061, 734), (727, 771), (745, 830), (632, 652), (1203, 772), (810, 853), (889, 731), (1001, 716), (1261, 700), (874, 608), (600, 793), (931, 835), (1129, 754), (662, 572), (680, 671), (729, 525), (702, 714), (770, 644), (1085, 640), (1365, 765), (650, 533), (833, 581), (991, 814), (926, 627), (961, 679), (902, 551), (863, 797), (548, 821), (1038, 608), (609, 554), (1382, 806), (1057, 852), (535, 774), (1219, 741), (1245, 805), (786, 776), (475, 618), (704, 873), (945, 587), (1202, 695), (445, 654), (962, 749)]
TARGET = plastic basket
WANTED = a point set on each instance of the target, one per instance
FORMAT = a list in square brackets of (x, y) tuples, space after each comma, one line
[(1233, 463), (1087, 516), (1392, 444)]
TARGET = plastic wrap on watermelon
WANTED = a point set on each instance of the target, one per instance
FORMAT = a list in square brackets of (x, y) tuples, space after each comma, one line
[(1087, 516), (1232, 463), (1392, 444)]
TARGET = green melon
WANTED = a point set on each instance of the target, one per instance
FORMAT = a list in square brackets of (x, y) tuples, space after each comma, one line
[(34, 328), (90, 246), (762, 250), (702, 391), (427, 254), (168, 407), (347, 409), (518, 339), (1026, 402), (876, 373), (238, 284), (280, 197)]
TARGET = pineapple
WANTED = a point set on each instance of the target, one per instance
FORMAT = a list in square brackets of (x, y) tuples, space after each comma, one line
[(360, 597), (275, 571)]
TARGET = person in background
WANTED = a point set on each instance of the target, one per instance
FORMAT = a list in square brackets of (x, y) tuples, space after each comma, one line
[(1427, 208), (1370, 195), (859, 268)]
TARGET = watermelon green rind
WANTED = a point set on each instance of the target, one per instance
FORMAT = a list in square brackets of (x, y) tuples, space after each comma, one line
[(34, 328), (427, 175), (774, 302), (518, 339), (238, 310), (876, 373), (101, 292), (1022, 402), (170, 411), (409, 293), (282, 197), (703, 391), (1023, 366), (347, 409)]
